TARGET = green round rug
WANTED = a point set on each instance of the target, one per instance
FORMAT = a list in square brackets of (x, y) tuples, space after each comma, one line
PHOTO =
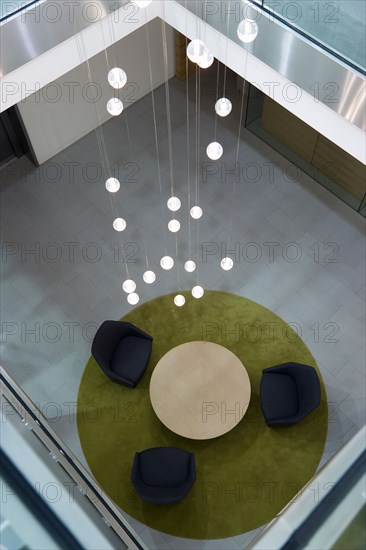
[(245, 477)]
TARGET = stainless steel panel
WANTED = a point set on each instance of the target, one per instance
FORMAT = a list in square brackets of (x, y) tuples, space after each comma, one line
[(331, 82), (45, 25)]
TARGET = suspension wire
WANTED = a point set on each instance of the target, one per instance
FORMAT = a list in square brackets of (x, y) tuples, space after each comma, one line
[(227, 47), (198, 163), (99, 130), (162, 210), (188, 143), (198, 136), (113, 39), (104, 41), (217, 93), (217, 89), (131, 151), (167, 103), (237, 168), (114, 54), (197, 132)]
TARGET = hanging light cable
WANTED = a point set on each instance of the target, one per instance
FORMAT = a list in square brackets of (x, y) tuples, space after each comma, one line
[(195, 292), (227, 263), (149, 276), (217, 92), (214, 149), (196, 211), (117, 77), (223, 105), (162, 210), (119, 223), (189, 265), (179, 299), (227, 47)]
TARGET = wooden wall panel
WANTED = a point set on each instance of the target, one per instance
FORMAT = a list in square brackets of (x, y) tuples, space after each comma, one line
[(314, 148), (181, 43), (340, 167), (289, 129)]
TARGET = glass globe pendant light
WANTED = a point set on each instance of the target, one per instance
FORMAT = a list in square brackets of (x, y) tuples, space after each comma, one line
[(119, 224), (149, 277), (114, 106), (206, 60), (167, 262), (179, 300), (247, 30), (223, 106), (112, 185), (174, 226), (196, 50), (190, 266), (197, 292), (117, 78), (174, 204), (196, 212), (226, 264), (214, 150), (129, 286), (133, 298)]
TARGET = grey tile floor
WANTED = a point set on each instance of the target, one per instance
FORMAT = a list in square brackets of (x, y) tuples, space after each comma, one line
[(298, 250)]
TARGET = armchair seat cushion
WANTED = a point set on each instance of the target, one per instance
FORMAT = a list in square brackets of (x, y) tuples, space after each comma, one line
[(278, 396), (131, 357), (122, 351), (164, 469), (288, 393), (163, 475)]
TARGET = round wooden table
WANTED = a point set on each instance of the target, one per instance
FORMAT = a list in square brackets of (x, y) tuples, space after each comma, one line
[(200, 390)]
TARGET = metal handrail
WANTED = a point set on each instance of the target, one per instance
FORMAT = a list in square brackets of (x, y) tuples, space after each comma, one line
[(27, 409), (351, 452)]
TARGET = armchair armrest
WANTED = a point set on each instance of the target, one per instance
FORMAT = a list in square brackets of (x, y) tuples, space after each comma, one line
[(120, 379), (135, 468), (192, 470), (284, 368), (135, 331)]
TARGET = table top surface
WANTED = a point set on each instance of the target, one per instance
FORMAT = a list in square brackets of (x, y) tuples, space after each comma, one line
[(200, 390)]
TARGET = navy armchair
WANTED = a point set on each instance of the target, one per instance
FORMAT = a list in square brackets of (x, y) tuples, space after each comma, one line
[(288, 393), (122, 351), (163, 475)]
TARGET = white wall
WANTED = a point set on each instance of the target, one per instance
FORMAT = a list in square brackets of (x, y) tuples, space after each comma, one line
[(66, 110)]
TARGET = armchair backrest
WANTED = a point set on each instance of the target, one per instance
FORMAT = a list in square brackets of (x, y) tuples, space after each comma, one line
[(308, 386), (106, 340)]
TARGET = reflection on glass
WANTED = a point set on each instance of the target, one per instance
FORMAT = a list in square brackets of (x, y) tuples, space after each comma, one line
[(339, 25), (11, 7), (313, 153), (354, 536), (362, 209), (14, 516)]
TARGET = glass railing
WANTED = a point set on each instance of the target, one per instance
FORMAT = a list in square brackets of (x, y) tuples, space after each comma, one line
[(45, 487), (337, 25), (329, 512), (17, 512)]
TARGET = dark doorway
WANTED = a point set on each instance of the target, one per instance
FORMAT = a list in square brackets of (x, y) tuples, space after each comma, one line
[(13, 140)]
